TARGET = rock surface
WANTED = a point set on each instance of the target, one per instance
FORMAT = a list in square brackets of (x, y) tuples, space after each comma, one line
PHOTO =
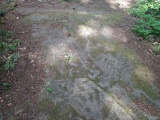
[(96, 77)]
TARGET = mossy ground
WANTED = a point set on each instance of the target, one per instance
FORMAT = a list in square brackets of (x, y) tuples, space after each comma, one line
[(56, 112), (77, 18)]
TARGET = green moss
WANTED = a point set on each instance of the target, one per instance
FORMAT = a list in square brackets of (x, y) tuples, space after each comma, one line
[(143, 73), (128, 88), (96, 80), (48, 16), (146, 87), (132, 97), (111, 19), (130, 54), (96, 52), (142, 79), (142, 117), (64, 73), (78, 18), (113, 47), (92, 23), (148, 101), (55, 112), (112, 83), (27, 20), (47, 106)]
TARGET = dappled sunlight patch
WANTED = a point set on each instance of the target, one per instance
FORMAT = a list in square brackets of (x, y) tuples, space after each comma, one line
[(107, 32), (114, 4), (100, 46), (86, 1), (113, 33), (85, 31), (58, 52), (107, 45)]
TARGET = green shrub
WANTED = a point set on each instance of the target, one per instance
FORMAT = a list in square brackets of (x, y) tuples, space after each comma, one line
[(147, 27), (148, 23), (148, 12)]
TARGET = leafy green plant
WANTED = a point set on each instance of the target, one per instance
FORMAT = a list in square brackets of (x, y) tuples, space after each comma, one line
[(4, 34), (148, 23), (11, 61), (11, 45), (2, 12), (156, 50), (148, 12), (155, 43), (147, 27), (6, 85), (7, 49), (49, 89), (156, 47), (67, 57)]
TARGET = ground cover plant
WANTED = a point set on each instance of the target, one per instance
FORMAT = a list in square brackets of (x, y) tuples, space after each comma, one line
[(148, 23), (8, 44)]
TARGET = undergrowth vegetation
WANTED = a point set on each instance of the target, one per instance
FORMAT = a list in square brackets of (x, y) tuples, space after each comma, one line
[(8, 44), (148, 23)]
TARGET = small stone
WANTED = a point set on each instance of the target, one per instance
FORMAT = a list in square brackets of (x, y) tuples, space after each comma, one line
[(32, 61), (6, 96), (9, 104)]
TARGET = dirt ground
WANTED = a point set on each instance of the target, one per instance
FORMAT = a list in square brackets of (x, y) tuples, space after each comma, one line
[(35, 67)]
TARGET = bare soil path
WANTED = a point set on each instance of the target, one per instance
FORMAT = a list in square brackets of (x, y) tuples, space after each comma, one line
[(80, 61)]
